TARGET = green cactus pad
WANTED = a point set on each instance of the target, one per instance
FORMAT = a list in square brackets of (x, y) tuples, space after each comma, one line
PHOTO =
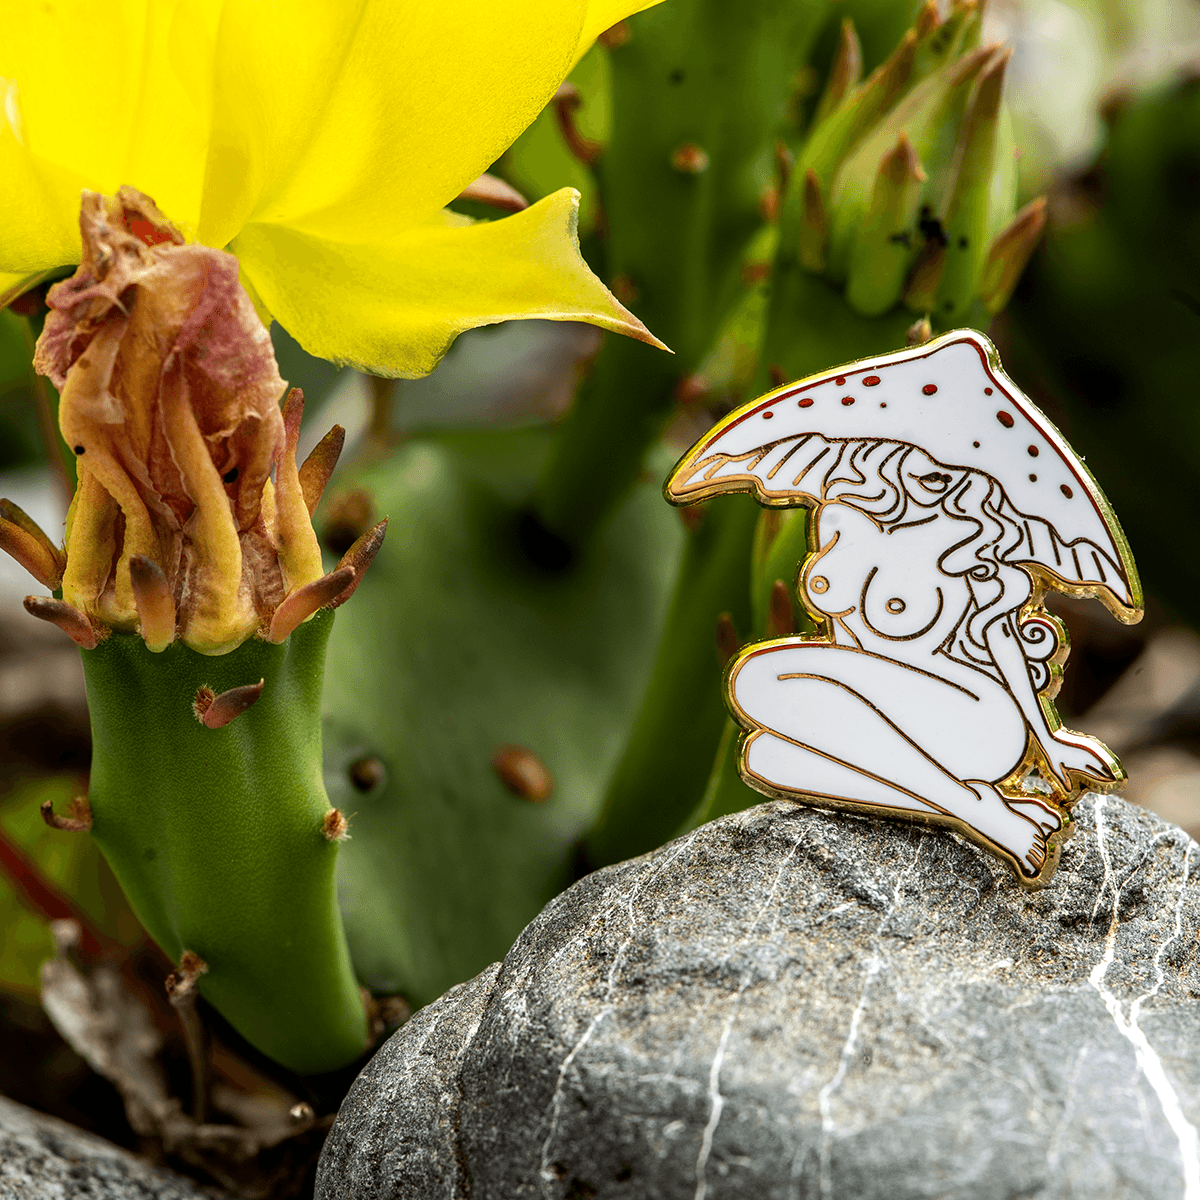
[(459, 643)]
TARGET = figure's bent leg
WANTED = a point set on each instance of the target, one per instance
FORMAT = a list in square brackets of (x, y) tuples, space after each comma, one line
[(784, 765), (831, 740)]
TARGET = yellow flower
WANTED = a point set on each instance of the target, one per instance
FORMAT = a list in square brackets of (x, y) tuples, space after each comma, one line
[(318, 141)]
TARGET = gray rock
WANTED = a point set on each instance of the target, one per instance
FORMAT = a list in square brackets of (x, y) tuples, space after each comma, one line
[(43, 1158), (790, 1003)]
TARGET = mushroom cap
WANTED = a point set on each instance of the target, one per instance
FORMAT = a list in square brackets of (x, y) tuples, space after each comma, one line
[(951, 398)]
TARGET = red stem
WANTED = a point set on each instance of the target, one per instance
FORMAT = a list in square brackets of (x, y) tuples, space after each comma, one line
[(47, 901)]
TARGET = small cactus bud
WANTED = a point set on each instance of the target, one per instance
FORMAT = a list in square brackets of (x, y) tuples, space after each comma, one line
[(969, 210), (366, 774), (919, 332), (67, 617), (1009, 254), (318, 466), (727, 638), (335, 827), (781, 617), (494, 192), (928, 19), (883, 247), (690, 159), (837, 135), (215, 712), (941, 41), (921, 293), (305, 601), (154, 601), (79, 821), (523, 773), (182, 983), (692, 389), (614, 36), (566, 100), (625, 290), (844, 73), (814, 226)]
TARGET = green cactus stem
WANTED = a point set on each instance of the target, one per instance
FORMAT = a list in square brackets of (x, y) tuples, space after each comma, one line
[(669, 752), (193, 584), (699, 94), (217, 836)]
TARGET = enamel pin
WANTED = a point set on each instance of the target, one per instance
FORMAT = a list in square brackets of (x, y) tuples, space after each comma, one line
[(942, 507)]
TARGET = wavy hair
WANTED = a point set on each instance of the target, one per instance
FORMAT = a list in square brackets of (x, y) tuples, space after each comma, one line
[(870, 475)]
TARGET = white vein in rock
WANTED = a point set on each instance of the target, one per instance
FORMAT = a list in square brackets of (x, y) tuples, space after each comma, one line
[(825, 1095), (1147, 1058), (717, 1103), (547, 1172)]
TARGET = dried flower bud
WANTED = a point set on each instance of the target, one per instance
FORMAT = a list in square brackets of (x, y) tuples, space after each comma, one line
[(170, 400)]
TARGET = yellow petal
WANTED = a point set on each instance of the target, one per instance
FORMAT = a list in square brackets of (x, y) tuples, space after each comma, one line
[(394, 308), (353, 120), (604, 14), (95, 96)]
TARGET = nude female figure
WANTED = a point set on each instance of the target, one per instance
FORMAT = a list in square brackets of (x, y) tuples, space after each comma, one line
[(927, 690), (921, 695)]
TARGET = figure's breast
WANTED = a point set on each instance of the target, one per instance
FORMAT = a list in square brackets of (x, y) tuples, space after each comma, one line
[(886, 579)]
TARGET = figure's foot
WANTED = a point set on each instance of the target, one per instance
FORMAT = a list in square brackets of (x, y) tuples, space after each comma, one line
[(1083, 758), (1013, 831), (1043, 815)]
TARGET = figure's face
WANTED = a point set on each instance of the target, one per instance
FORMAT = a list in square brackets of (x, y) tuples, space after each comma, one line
[(926, 481)]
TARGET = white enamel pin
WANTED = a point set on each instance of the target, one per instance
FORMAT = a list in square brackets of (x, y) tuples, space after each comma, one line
[(942, 507)]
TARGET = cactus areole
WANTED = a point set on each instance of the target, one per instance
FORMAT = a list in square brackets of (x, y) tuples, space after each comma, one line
[(192, 581)]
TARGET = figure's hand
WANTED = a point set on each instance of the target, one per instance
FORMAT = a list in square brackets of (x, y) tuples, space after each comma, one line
[(1074, 754)]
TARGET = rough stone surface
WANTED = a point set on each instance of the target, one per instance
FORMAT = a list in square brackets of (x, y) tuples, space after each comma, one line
[(790, 1003), (43, 1158)]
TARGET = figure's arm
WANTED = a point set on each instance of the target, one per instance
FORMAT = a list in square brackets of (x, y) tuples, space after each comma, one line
[(1064, 750)]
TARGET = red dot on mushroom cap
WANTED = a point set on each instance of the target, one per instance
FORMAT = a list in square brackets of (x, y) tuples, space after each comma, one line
[(987, 391), (929, 389), (768, 415), (1005, 419), (840, 380), (806, 402), (1066, 491), (1033, 479), (1033, 452), (870, 381), (847, 400)]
